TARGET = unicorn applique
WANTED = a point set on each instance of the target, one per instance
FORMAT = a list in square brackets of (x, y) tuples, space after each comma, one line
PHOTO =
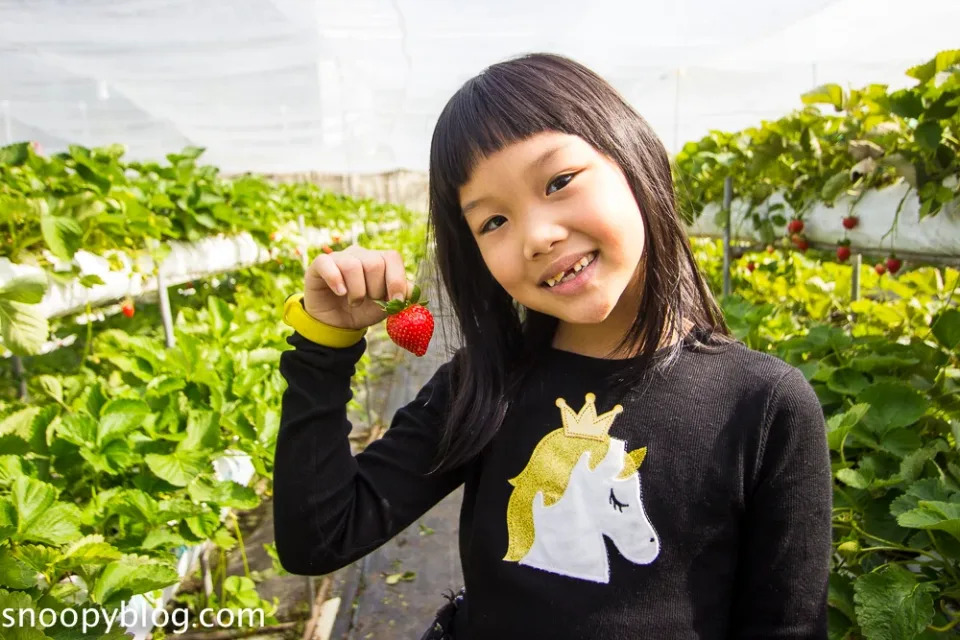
[(579, 486)]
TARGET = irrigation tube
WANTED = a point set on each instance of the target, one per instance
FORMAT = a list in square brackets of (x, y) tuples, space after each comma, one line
[(935, 238), (187, 261)]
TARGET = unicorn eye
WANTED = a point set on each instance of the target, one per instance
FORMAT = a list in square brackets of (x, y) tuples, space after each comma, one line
[(616, 503)]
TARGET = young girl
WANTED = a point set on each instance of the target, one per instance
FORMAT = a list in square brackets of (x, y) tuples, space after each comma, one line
[(630, 470)]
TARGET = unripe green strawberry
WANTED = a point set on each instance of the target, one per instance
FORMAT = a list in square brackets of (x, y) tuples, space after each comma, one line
[(850, 546), (409, 323)]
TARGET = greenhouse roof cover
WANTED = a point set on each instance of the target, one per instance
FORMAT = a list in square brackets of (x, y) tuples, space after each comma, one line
[(357, 85)]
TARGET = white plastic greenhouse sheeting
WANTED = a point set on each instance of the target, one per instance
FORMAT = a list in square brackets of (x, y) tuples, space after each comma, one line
[(356, 86)]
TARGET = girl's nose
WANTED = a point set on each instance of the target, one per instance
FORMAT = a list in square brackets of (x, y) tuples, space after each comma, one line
[(540, 236)]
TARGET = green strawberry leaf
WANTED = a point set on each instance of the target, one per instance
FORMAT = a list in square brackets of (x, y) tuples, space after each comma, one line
[(892, 605), (119, 417), (15, 573), (933, 514), (129, 576), (892, 405), (178, 468)]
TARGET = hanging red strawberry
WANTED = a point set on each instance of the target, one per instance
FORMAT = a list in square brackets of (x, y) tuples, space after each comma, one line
[(409, 323), (850, 222), (795, 225), (880, 269), (800, 242), (843, 251), (127, 308), (751, 266), (894, 263), (769, 248)]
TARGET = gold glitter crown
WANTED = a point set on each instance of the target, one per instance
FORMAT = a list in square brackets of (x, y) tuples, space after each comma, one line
[(587, 424)]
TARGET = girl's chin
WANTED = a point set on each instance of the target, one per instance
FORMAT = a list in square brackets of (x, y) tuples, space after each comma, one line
[(580, 312)]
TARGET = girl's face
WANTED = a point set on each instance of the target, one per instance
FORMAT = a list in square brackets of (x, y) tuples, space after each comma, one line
[(541, 208)]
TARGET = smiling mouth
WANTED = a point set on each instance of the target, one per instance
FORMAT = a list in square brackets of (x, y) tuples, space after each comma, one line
[(570, 273)]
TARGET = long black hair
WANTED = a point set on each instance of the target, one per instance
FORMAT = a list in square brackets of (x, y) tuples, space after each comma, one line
[(506, 103)]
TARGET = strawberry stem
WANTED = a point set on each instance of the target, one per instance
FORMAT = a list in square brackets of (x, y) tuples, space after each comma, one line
[(393, 307)]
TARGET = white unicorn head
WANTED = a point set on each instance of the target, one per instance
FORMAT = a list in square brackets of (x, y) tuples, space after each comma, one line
[(579, 486)]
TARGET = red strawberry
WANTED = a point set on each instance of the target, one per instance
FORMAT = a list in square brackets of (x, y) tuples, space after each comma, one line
[(880, 269), (850, 222), (751, 266), (409, 323), (800, 242), (893, 264), (769, 248), (127, 308), (843, 253), (795, 225), (326, 249)]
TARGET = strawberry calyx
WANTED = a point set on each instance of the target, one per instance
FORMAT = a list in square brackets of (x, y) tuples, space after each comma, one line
[(394, 307)]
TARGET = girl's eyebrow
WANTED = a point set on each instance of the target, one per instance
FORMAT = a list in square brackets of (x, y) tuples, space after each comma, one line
[(532, 166)]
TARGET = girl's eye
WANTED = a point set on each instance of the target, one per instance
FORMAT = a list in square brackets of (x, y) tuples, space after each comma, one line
[(565, 177), (558, 178), (486, 226)]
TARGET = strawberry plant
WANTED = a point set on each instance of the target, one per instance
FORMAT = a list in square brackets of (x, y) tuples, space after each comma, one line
[(866, 139), (886, 370)]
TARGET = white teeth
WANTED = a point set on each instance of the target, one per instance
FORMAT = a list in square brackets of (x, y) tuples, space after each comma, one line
[(579, 266)]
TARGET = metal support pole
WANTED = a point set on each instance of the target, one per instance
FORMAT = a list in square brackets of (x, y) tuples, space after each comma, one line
[(162, 294), (855, 277), (207, 591), (163, 297), (727, 201)]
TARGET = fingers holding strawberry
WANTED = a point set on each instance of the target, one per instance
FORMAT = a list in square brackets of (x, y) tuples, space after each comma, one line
[(342, 288)]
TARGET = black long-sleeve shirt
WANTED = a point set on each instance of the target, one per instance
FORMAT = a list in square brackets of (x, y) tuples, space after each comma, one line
[(700, 507)]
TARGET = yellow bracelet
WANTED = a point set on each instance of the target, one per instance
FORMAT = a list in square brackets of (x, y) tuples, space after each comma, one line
[(313, 330)]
